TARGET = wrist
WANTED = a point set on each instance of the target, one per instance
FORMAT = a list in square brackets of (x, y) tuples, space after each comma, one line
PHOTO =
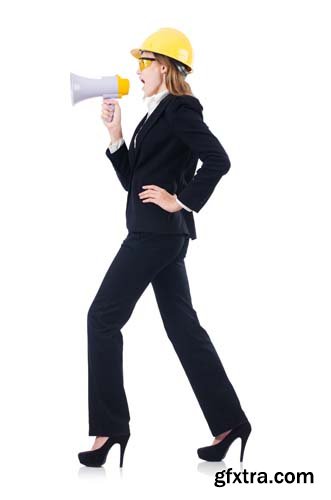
[(116, 136), (177, 205)]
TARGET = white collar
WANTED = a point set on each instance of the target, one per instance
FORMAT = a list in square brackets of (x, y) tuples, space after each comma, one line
[(153, 100)]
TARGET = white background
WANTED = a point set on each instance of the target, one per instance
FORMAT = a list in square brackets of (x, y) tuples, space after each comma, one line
[(259, 270)]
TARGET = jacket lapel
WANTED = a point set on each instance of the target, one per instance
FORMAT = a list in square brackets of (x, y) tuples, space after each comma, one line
[(144, 126)]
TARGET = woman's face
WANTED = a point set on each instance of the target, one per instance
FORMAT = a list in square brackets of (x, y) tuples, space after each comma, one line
[(153, 76)]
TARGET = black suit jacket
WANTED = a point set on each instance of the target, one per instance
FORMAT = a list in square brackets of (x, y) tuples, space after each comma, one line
[(166, 152)]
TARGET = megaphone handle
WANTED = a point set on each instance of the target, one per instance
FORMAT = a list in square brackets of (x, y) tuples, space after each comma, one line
[(111, 105)]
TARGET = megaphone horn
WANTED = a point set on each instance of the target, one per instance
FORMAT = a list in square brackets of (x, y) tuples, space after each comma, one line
[(112, 87)]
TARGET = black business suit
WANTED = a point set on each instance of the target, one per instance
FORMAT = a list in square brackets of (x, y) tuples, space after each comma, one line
[(167, 150), (164, 150)]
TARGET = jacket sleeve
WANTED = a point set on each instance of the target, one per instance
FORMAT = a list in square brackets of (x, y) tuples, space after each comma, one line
[(120, 161), (115, 145), (188, 125), (182, 204)]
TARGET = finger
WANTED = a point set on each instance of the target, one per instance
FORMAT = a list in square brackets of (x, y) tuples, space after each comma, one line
[(107, 119), (107, 110), (149, 200), (150, 194), (151, 186), (147, 194), (107, 113), (110, 107)]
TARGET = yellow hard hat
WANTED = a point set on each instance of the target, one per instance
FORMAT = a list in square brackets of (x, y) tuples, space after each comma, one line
[(169, 42)]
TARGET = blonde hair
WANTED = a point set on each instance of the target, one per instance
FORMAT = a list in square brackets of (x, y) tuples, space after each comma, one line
[(175, 75)]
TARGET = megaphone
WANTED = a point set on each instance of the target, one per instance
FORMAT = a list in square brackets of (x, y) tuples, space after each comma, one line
[(112, 87)]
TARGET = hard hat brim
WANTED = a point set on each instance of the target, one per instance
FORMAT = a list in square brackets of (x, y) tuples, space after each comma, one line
[(137, 54)]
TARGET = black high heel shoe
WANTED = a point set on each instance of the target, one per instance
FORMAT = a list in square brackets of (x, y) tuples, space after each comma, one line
[(217, 452), (96, 458)]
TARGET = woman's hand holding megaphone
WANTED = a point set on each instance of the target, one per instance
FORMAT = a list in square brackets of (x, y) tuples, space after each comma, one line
[(111, 116)]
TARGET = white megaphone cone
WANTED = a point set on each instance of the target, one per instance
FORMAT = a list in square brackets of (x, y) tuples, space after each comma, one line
[(112, 87)]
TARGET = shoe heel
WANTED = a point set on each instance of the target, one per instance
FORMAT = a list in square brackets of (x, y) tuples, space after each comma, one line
[(244, 438), (123, 442), (98, 457), (217, 452)]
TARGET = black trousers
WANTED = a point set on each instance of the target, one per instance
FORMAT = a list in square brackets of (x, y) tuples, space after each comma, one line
[(158, 259)]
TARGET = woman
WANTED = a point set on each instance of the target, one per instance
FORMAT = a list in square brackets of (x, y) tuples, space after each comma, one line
[(158, 171)]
